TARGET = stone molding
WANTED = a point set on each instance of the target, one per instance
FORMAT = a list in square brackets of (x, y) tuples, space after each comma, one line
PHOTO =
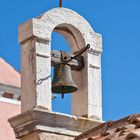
[(11, 101), (15, 91), (39, 120)]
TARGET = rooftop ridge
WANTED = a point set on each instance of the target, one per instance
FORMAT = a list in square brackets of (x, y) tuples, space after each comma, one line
[(103, 129), (8, 74), (2, 59)]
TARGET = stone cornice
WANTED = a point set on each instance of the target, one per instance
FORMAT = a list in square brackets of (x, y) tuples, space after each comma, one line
[(15, 91), (52, 122)]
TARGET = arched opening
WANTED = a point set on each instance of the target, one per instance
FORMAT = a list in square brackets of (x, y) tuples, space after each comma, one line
[(59, 104), (66, 37)]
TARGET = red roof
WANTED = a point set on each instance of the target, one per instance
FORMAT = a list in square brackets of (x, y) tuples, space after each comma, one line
[(124, 129), (8, 75)]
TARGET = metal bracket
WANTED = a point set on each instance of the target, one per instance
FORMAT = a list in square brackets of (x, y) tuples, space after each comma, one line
[(75, 60)]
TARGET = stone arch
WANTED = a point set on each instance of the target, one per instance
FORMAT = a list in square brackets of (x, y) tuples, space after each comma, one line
[(66, 18), (76, 41), (78, 33), (72, 35)]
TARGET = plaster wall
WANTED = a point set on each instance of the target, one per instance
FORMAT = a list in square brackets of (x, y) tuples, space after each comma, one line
[(8, 109)]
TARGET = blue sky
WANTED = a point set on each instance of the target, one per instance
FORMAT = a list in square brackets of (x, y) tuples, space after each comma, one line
[(119, 23)]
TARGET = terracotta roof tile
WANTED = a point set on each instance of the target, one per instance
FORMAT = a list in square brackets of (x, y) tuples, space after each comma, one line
[(8, 75), (124, 129)]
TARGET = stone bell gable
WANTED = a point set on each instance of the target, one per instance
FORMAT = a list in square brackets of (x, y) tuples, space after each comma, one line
[(35, 39), (37, 120)]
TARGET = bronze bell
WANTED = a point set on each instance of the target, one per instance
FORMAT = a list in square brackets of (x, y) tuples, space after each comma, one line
[(62, 82)]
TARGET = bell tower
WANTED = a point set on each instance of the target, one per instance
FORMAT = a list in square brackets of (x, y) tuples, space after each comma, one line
[(37, 120)]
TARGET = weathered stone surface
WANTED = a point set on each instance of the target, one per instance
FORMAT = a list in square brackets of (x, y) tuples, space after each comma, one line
[(40, 121), (35, 38), (54, 137), (46, 136), (33, 136)]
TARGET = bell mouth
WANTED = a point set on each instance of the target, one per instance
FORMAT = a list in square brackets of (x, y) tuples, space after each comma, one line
[(64, 89)]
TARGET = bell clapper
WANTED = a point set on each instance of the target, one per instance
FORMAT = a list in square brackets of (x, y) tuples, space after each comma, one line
[(62, 92), (62, 95)]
